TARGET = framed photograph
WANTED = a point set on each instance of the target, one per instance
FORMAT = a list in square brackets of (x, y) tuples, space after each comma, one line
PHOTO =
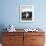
[(26, 13)]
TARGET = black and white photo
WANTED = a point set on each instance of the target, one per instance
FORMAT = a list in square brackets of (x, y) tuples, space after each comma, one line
[(26, 13)]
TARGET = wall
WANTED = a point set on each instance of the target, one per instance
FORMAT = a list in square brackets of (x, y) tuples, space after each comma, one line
[(10, 13)]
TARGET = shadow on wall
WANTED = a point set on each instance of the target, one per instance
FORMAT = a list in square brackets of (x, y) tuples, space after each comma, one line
[(2, 26)]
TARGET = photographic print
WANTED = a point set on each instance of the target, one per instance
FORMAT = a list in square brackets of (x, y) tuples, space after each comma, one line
[(26, 13)]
